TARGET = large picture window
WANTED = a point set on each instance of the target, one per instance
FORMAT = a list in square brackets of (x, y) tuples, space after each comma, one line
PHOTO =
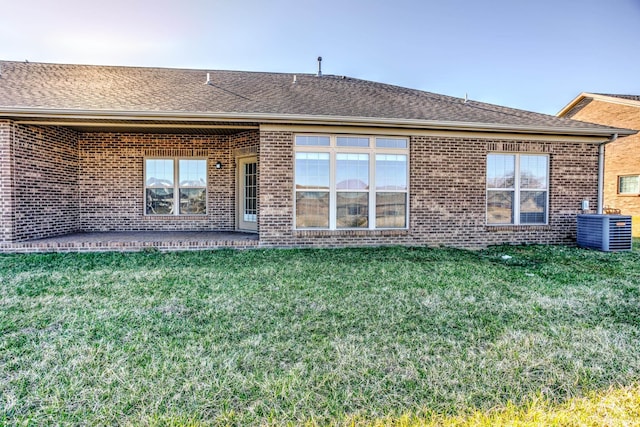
[(351, 182), (517, 189), (175, 186)]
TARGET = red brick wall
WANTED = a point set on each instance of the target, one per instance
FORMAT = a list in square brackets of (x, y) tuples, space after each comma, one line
[(94, 181), (112, 181), (45, 184), (447, 195)]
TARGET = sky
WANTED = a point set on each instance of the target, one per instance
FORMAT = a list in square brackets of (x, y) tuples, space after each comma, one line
[(536, 55)]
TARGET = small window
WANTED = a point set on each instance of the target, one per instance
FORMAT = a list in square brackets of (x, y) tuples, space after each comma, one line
[(629, 184), (175, 187), (312, 141), (349, 141), (391, 143)]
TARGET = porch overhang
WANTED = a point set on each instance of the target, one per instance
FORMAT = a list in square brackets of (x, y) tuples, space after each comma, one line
[(233, 122), (128, 122)]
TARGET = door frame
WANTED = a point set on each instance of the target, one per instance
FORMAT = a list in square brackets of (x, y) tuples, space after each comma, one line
[(242, 225)]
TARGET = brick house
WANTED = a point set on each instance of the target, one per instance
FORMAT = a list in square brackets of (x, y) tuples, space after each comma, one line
[(622, 157), (299, 160)]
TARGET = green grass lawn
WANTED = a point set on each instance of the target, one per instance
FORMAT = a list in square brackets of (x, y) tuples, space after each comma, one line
[(389, 336)]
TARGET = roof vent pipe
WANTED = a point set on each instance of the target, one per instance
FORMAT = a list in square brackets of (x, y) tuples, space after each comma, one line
[(208, 79), (319, 66)]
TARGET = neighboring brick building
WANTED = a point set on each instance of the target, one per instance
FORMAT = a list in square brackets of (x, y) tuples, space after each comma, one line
[(301, 160), (622, 157)]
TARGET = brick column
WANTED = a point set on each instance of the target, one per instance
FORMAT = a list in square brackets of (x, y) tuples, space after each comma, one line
[(275, 184), (6, 181)]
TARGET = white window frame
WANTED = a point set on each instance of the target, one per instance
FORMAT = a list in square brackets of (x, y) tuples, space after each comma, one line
[(176, 186), (636, 193), (333, 149), (517, 190)]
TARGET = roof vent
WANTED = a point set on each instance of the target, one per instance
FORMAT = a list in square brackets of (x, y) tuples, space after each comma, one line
[(295, 79), (208, 82), (319, 66)]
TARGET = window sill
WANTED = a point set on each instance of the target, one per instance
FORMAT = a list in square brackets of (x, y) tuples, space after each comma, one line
[(532, 227), (175, 217)]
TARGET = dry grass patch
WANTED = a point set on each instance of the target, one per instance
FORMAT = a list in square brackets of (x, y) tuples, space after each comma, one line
[(615, 407)]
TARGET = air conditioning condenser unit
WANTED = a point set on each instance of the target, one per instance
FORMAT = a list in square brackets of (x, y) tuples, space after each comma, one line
[(610, 233)]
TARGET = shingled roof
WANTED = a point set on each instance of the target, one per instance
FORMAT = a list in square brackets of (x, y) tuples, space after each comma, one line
[(47, 90)]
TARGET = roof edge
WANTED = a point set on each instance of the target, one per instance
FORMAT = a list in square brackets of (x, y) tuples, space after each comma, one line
[(597, 97), (67, 114), (572, 104)]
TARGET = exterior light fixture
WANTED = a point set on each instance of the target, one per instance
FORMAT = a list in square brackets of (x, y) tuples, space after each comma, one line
[(218, 165)]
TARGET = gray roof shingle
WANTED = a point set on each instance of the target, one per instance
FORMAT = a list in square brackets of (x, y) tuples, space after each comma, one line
[(84, 88)]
